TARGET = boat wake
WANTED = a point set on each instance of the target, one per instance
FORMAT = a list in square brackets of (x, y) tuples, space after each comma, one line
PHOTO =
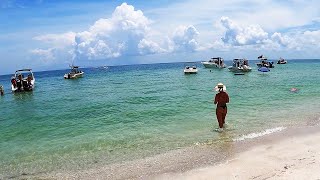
[(259, 134)]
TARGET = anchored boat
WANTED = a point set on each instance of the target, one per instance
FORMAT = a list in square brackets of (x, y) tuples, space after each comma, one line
[(264, 62), (23, 80), (190, 70), (240, 65), (216, 62), (74, 73)]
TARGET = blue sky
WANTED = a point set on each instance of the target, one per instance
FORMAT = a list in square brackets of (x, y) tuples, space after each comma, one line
[(50, 34)]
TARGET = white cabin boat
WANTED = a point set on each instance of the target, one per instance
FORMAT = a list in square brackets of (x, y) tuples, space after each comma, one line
[(240, 65), (216, 62), (74, 73), (282, 61), (190, 70), (23, 80)]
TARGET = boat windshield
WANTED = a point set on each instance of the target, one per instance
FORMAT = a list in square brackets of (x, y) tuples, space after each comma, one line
[(24, 74)]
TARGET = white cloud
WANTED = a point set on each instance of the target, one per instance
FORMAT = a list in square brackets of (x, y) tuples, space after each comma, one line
[(281, 40), (128, 32), (238, 36), (125, 33), (305, 40), (149, 47), (58, 40), (184, 39), (61, 48), (46, 55), (311, 38)]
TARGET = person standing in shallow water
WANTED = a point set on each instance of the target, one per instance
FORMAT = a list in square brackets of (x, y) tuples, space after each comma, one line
[(221, 99)]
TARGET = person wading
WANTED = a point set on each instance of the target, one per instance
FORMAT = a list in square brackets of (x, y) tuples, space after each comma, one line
[(221, 99)]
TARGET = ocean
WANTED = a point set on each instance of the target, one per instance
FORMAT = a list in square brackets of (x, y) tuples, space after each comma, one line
[(124, 113)]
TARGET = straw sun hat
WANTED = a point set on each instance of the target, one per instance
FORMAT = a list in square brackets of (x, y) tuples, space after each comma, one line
[(220, 86)]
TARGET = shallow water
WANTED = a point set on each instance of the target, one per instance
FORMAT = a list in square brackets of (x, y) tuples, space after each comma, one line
[(129, 112)]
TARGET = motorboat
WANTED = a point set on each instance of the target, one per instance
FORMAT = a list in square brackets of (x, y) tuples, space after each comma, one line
[(215, 62), (103, 67), (23, 80), (190, 70), (74, 73), (282, 61), (264, 62), (240, 65)]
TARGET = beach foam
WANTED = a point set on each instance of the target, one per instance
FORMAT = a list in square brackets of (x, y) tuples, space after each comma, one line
[(259, 134)]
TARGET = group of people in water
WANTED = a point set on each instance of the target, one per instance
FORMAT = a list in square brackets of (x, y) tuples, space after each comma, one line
[(22, 83)]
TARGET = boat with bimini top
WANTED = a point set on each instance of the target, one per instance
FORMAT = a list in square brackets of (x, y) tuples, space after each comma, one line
[(215, 62), (264, 62), (23, 80), (74, 73), (240, 65)]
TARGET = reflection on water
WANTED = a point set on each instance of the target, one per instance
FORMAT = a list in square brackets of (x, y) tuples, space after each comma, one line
[(23, 96)]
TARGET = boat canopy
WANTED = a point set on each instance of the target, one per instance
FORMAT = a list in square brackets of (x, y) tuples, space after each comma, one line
[(216, 58), (23, 70)]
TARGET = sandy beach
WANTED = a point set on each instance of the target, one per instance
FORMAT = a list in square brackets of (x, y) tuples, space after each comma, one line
[(295, 157), (290, 154)]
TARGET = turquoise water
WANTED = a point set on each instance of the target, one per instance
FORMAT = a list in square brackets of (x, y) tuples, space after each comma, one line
[(129, 112)]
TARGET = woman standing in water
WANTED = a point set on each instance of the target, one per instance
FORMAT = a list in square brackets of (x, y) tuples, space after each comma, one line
[(221, 99)]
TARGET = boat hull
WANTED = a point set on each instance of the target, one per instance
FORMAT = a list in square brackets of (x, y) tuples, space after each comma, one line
[(212, 65), (190, 71), (285, 62), (239, 69), (73, 76)]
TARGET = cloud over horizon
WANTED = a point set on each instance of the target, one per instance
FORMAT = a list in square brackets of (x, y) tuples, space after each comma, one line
[(125, 33), (238, 36), (128, 32)]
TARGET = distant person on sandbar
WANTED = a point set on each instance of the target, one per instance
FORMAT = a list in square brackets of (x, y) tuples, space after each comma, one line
[(1, 90), (221, 99)]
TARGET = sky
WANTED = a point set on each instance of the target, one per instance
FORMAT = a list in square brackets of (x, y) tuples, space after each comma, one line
[(52, 34)]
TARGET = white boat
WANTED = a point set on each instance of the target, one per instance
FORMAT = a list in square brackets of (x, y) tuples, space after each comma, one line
[(216, 62), (23, 80), (240, 65), (74, 73), (282, 61), (190, 70), (264, 62)]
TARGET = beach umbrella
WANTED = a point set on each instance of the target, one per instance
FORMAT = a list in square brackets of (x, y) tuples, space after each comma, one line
[(264, 69)]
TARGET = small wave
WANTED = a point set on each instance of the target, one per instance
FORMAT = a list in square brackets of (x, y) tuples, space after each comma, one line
[(259, 134)]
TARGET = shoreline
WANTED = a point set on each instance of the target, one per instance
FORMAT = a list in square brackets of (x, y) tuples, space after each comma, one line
[(193, 162), (293, 157)]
